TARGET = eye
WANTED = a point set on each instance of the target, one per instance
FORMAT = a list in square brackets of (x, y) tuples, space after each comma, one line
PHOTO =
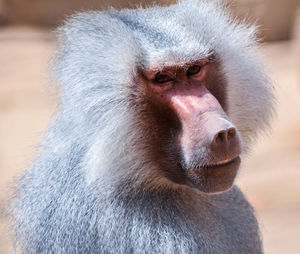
[(162, 78), (193, 70)]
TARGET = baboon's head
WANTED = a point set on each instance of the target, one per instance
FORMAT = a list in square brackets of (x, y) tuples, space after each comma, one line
[(172, 96)]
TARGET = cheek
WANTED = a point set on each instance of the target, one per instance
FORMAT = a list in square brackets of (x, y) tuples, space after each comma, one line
[(217, 86), (221, 95)]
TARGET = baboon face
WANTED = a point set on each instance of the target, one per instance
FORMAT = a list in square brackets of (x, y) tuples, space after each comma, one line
[(192, 130)]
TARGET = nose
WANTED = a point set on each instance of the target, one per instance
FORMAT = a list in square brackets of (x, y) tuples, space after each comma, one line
[(225, 140), (224, 137)]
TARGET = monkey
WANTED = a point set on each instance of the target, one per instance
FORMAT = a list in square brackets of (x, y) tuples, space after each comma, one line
[(157, 107)]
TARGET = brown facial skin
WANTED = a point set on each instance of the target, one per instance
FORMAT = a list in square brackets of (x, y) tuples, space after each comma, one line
[(188, 102)]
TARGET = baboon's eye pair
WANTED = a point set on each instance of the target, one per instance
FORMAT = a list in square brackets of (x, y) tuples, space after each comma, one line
[(163, 78)]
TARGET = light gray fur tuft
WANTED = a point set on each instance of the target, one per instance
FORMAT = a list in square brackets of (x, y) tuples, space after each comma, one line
[(79, 196)]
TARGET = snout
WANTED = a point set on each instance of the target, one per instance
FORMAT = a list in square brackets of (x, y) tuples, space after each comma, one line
[(210, 144), (213, 162), (209, 139)]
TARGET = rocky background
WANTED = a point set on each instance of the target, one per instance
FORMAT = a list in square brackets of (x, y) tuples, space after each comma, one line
[(270, 175)]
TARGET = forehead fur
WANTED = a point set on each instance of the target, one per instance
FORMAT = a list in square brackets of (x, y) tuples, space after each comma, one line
[(186, 31), (183, 32)]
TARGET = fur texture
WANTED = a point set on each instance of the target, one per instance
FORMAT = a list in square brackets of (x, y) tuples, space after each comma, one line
[(85, 191)]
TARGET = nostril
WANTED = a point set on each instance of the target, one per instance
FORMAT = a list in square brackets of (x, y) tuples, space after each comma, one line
[(231, 133), (220, 137)]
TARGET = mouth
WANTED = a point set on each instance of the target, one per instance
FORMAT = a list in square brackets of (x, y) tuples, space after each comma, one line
[(219, 164), (213, 178)]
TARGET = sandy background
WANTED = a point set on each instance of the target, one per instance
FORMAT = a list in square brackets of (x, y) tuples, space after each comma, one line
[(270, 175)]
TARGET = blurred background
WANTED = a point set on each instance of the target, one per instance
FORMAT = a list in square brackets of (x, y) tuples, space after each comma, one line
[(270, 176)]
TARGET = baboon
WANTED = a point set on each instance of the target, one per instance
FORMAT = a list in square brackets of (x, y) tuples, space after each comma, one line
[(157, 105)]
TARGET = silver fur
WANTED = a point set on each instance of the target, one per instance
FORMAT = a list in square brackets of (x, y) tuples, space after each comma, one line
[(80, 194)]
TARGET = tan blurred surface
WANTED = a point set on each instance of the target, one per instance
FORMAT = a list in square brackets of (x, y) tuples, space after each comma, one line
[(25, 103), (274, 17), (51, 13), (270, 175)]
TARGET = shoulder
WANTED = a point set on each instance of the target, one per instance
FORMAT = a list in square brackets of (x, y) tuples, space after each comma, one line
[(240, 223), (233, 202)]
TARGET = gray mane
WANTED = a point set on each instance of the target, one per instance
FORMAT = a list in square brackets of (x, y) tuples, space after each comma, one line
[(80, 195)]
